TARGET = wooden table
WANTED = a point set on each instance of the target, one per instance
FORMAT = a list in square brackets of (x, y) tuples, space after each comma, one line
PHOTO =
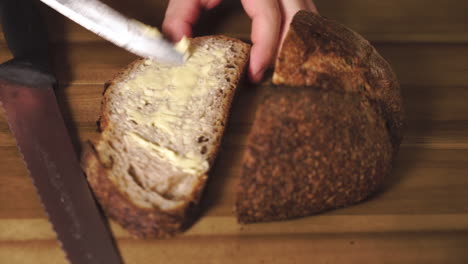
[(420, 217)]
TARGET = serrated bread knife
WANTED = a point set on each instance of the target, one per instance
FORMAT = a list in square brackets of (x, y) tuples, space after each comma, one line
[(118, 29), (29, 103)]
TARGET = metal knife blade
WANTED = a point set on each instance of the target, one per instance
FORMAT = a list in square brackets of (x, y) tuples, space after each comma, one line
[(113, 26), (28, 100)]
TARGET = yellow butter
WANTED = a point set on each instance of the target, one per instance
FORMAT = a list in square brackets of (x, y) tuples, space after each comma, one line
[(177, 83), (171, 89), (188, 163), (183, 46), (147, 30)]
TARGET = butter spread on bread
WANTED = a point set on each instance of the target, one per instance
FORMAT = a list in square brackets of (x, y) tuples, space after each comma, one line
[(161, 129)]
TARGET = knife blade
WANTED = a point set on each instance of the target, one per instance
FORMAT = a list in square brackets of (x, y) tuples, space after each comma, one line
[(28, 100), (118, 29)]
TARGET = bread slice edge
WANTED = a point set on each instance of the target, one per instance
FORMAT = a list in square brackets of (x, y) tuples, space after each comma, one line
[(145, 222)]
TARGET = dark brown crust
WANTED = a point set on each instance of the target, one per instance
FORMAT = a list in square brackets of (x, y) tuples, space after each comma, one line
[(310, 151), (318, 48), (327, 136), (143, 222)]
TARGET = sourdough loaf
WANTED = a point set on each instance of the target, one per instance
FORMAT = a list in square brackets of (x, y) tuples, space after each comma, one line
[(327, 135), (161, 129)]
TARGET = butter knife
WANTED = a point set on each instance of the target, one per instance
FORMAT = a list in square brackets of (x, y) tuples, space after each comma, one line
[(127, 33)]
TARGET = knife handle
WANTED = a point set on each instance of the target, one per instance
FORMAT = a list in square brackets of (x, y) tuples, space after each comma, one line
[(25, 73), (25, 32)]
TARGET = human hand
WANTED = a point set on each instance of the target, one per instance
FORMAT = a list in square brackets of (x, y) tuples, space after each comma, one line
[(270, 21)]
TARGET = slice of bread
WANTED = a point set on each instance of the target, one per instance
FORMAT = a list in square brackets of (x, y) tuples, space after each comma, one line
[(327, 135), (161, 129)]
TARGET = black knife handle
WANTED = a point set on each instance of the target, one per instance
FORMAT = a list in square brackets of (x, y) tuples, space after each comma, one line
[(23, 73), (25, 33)]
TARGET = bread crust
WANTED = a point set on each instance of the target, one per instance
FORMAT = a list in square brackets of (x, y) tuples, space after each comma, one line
[(148, 222), (317, 48), (140, 222), (311, 151), (327, 135)]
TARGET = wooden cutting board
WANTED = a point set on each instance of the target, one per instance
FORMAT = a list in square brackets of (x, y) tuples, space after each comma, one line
[(421, 216)]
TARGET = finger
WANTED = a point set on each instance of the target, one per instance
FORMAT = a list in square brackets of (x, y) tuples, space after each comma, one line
[(289, 8), (266, 23), (311, 6), (179, 17), (182, 14), (208, 4)]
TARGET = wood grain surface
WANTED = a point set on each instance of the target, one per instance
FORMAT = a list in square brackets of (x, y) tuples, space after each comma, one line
[(421, 215)]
